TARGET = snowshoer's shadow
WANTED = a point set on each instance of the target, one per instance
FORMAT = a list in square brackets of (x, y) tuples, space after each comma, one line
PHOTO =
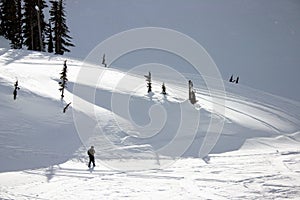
[(91, 169)]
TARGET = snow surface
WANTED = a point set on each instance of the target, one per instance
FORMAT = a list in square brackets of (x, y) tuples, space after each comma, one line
[(43, 150), (257, 40)]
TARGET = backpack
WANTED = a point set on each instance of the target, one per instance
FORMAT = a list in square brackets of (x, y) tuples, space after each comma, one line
[(88, 153)]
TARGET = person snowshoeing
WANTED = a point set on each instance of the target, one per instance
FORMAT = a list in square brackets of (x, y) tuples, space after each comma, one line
[(91, 153)]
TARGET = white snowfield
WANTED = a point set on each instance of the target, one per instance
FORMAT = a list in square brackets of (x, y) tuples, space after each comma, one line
[(139, 155)]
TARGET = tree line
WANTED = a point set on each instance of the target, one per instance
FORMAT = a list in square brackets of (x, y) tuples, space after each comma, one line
[(23, 23)]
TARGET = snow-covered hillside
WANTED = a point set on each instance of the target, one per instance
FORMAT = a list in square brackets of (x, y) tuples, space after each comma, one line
[(258, 40), (148, 145)]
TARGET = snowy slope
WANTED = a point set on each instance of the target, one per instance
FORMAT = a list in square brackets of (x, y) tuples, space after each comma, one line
[(254, 39), (43, 151)]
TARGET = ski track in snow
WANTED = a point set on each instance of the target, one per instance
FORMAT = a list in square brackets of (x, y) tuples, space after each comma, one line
[(42, 157)]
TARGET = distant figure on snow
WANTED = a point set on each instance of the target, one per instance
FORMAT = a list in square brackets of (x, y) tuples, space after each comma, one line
[(91, 153)]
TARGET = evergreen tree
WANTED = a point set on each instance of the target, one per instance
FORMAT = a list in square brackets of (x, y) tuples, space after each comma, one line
[(55, 20), (34, 24), (149, 83), (50, 39), (8, 16), (18, 42), (15, 93), (237, 80), (192, 93), (231, 79), (1, 11), (163, 87), (104, 61), (62, 40), (11, 24), (64, 79)]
